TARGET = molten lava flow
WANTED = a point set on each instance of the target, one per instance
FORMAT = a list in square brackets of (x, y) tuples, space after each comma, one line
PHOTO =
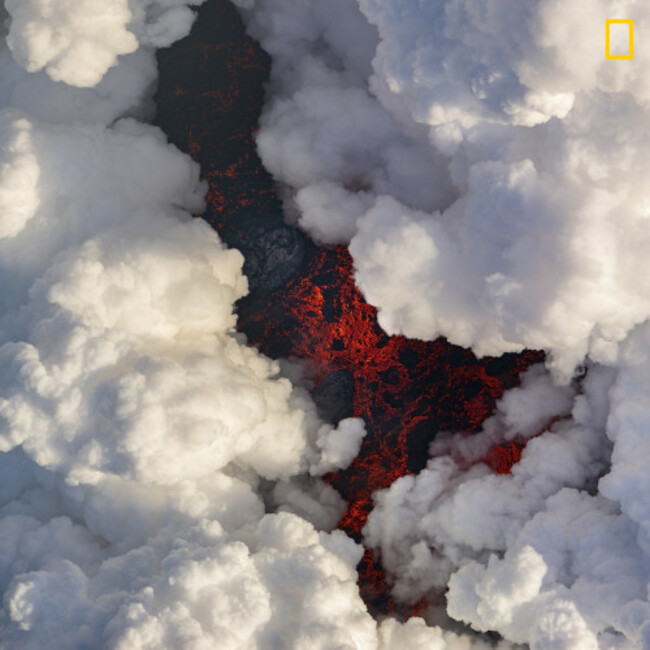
[(404, 389), (209, 100), (503, 456)]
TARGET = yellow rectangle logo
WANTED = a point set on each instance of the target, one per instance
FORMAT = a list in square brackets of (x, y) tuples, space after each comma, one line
[(608, 53)]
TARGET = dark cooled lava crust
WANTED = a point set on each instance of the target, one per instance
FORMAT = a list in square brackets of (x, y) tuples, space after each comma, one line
[(303, 301)]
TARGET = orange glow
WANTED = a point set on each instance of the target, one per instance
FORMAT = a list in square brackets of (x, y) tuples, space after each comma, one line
[(502, 457)]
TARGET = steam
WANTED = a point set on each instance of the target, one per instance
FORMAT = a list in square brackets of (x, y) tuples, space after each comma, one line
[(142, 441), (78, 43), (159, 478), (486, 165), (474, 163)]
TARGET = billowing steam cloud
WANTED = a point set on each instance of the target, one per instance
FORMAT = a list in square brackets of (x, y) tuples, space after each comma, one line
[(485, 154), (142, 442), (159, 479), (486, 164), (79, 42)]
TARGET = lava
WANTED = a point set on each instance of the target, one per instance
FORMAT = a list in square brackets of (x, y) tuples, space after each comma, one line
[(503, 456), (304, 303)]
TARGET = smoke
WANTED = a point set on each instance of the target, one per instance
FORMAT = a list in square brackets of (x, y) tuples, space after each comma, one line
[(484, 154), (485, 163), (78, 43), (158, 477)]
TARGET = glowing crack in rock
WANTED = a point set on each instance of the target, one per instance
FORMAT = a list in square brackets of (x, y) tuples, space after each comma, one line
[(304, 303)]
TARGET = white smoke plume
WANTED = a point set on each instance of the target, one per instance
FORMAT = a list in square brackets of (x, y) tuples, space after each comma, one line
[(79, 42), (485, 154), (158, 478), (485, 163)]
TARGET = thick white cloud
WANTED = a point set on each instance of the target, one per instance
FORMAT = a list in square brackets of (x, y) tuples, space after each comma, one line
[(190, 586), (523, 223), (142, 440), (127, 364), (553, 555), (78, 42), (122, 376), (159, 479), (125, 89), (323, 133), (137, 567), (492, 162), (88, 61)]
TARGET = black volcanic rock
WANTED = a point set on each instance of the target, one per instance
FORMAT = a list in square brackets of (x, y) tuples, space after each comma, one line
[(334, 395), (273, 250)]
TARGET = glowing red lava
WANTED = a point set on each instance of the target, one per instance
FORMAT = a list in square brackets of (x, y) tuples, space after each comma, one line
[(502, 457), (209, 101)]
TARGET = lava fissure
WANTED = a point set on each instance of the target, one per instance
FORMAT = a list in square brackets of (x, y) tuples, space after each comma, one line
[(304, 302)]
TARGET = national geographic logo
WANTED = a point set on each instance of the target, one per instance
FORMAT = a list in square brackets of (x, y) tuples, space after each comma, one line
[(620, 34)]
